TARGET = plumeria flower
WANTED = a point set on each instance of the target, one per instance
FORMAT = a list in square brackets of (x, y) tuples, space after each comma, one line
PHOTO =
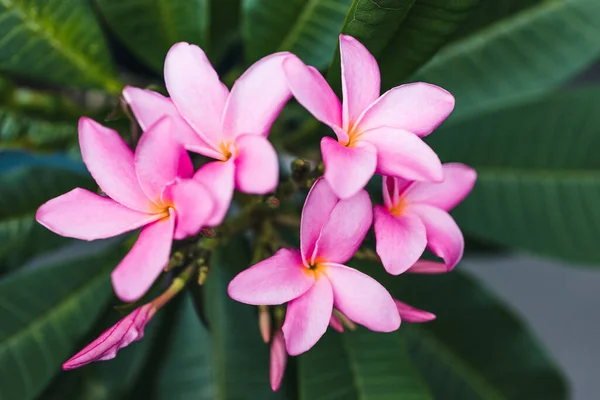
[(415, 216), (231, 127), (151, 189), (122, 334), (278, 360), (375, 134), (313, 280)]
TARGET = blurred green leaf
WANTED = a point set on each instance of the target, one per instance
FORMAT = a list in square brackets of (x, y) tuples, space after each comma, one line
[(150, 28), (307, 28), (225, 16), (55, 41), (24, 189), (45, 312), (539, 174), (359, 365), (21, 130), (476, 348), (525, 55)]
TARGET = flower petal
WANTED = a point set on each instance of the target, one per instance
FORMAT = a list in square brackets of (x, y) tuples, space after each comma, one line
[(123, 333), (458, 182), (348, 169), (400, 240), (401, 153), (318, 206), (312, 91), (416, 107), (345, 229), (257, 97), (276, 280), (110, 161), (82, 214), (256, 165), (428, 267), (193, 204), (217, 177), (362, 299), (136, 273), (444, 237), (307, 317), (278, 360), (336, 323), (360, 79), (196, 90), (160, 160), (413, 315)]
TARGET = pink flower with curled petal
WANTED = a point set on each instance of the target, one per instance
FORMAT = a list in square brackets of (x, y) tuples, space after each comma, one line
[(278, 360), (151, 189), (122, 334), (411, 314), (314, 279), (415, 216), (231, 127), (375, 134)]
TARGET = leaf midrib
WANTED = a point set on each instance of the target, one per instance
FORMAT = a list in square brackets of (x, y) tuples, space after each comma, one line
[(292, 36)]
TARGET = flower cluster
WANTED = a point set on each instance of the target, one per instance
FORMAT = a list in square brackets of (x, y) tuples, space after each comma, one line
[(156, 188)]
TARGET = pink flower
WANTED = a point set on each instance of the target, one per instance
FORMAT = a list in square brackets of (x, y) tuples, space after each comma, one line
[(376, 134), (313, 280), (123, 333), (231, 127), (149, 188), (411, 314), (278, 360), (416, 216)]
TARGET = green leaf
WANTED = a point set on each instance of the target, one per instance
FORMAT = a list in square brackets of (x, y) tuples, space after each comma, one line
[(45, 312), (428, 26), (55, 41), (150, 28), (224, 26), (525, 55), (359, 365), (539, 174), (308, 28), (476, 348), (24, 189)]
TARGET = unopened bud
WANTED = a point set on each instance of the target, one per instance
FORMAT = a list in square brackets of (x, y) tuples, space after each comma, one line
[(264, 323), (321, 168), (202, 274), (176, 261), (208, 232), (300, 168), (345, 320), (272, 202)]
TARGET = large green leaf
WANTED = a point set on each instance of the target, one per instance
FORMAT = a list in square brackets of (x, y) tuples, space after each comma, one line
[(224, 26), (24, 189), (429, 24), (44, 312), (476, 348), (525, 55), (359, 365), (539, 174), (20, 130), (55, 41), (150, 28), (308, 28)]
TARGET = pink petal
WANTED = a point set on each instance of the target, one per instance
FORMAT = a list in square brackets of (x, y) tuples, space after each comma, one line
[(278, 360), (312, 91), (345, 229), (256, 165), (336, 324), (458, 182), (428, 267), (348, 169), (217, 177), (360, 79), (148, 107), (401, 153), (444, 237), (362, 299), (136, 273), (257, 97), (110, 161), (276, 280), (84, 215), (400, 240), (318, 206), (196, 90), (159, 159), (416, 107), (307, 317), (413, 315), (123, 333), (193, 205)]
